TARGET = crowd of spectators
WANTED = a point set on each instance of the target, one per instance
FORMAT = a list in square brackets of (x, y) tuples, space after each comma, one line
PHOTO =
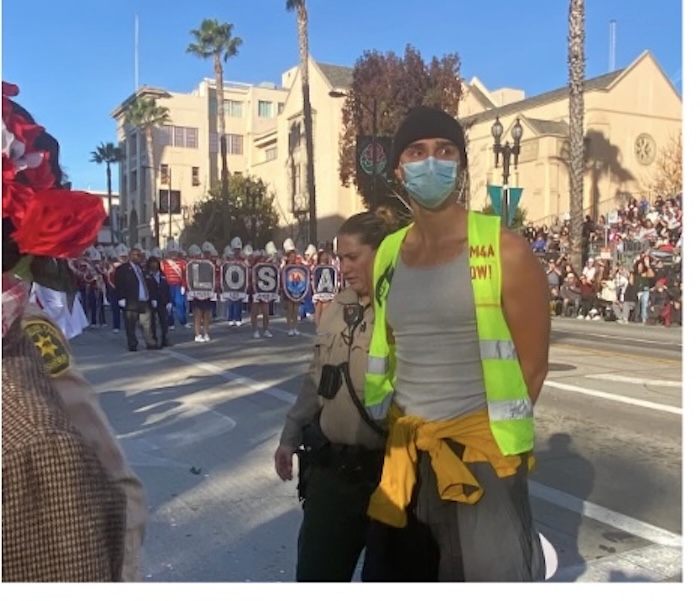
[(633, 264)]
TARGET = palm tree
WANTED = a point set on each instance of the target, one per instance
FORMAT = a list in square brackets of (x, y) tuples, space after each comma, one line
[(215, 40), (108, 153), (577, 68), (303, 38), (145, 114)]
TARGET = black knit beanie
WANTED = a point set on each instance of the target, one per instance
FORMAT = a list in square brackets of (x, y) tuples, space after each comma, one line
[(425, 122)]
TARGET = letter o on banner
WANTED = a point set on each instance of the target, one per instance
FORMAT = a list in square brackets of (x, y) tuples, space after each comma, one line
[(234, 276)]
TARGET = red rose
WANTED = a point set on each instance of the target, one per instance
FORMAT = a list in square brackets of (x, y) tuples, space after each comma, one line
[(23, 130), (9, 89), (60, 223), (41, 177), (15, 198)]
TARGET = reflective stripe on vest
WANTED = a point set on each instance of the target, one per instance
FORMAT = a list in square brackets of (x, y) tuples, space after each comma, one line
[(509, 406)]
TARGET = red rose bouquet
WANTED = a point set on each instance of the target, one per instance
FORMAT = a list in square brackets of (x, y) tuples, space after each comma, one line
[(47, 220), (42, 223)]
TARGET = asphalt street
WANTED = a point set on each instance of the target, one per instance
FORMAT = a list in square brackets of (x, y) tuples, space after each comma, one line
[(200, 423)]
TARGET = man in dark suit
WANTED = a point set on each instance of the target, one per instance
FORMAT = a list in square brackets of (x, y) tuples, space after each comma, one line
[(133, 298), (158, 291)]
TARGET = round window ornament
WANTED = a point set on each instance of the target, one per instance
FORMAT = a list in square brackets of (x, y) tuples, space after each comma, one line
[(645, 149)]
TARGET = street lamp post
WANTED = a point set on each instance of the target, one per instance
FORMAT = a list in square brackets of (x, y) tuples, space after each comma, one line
[(170, 203), (507, 152), (373, 110)]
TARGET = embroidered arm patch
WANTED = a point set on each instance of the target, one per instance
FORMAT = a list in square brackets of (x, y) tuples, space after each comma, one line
[(50, 344)]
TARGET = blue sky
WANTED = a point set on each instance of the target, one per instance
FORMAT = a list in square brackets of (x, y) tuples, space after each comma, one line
[(78, 63)]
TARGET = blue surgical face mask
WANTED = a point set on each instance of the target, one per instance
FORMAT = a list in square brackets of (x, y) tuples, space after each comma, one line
[(431, 181)]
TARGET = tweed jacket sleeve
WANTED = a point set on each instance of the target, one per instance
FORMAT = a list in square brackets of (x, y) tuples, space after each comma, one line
[(82, 407), (62, 518)]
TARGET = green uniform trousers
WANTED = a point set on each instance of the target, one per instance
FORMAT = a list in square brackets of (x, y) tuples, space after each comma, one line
[(334, 527)]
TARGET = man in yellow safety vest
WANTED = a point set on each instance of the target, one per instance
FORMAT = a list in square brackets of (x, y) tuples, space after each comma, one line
[(460, 346)]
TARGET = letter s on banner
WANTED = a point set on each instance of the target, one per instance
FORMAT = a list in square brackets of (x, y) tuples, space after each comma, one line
[(265, 282)]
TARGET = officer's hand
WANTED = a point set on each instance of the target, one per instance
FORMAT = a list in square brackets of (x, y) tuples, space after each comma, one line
[(283, 461), (154, 304), (122, 303), (169, 306)]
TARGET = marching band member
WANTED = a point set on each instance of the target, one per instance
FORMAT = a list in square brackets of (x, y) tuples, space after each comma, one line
[(324, 258), (291, 308), (174, 268), (95, 285), (210, 254), (248, 258), (121, 255), (201, 308), (107, 272), (261, 308), (235, 307), (310, 258), (79, 266)]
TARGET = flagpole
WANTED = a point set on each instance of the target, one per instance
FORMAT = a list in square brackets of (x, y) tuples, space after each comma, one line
[(136, 53)]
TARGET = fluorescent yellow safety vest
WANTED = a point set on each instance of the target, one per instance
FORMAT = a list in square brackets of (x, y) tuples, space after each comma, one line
[(508, 401)]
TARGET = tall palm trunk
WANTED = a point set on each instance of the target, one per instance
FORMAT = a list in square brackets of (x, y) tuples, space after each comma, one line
[(153, 188), (576, 133), (302, 32), (109, 199), (219, 73)]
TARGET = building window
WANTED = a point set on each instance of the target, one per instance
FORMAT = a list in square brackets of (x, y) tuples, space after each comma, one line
[(195, 176), (265, 109), (271, 153), (234, 144), (132, 144), (280, 108), (191, 134), (180, 137), (233, 108), (133, 181), (164, 170)]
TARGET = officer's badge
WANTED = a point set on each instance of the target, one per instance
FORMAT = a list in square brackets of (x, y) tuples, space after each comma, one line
[(50, 344)]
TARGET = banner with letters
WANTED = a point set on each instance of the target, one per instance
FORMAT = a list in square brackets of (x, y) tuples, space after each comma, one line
[(295, 282), (265, 278), (234, 281), (325, 283), (201, 280)]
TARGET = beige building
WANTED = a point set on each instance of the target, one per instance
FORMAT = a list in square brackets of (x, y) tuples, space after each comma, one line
[(630, 115), (187, 159)]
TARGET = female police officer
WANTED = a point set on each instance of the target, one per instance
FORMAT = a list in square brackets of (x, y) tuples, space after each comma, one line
[(340, 449)]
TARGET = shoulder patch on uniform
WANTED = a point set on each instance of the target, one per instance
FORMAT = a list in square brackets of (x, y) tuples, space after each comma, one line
[(51, 345)]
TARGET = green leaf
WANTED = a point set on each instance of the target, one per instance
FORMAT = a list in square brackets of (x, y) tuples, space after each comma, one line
[(54, 274)]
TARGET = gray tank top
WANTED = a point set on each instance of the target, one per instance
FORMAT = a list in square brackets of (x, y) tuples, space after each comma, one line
[(432, 315)]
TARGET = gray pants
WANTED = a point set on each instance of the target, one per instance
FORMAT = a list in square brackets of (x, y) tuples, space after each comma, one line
[(494, 540), (623, 310)]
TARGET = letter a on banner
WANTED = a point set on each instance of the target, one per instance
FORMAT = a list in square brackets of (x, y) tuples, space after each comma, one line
[(324, 283)]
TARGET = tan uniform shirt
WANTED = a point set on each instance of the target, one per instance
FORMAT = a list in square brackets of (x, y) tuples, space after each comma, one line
[(83, 409), (341, 421)]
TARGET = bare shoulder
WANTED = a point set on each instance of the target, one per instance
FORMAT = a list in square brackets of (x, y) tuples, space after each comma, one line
[(515, 248), (518, 262)]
